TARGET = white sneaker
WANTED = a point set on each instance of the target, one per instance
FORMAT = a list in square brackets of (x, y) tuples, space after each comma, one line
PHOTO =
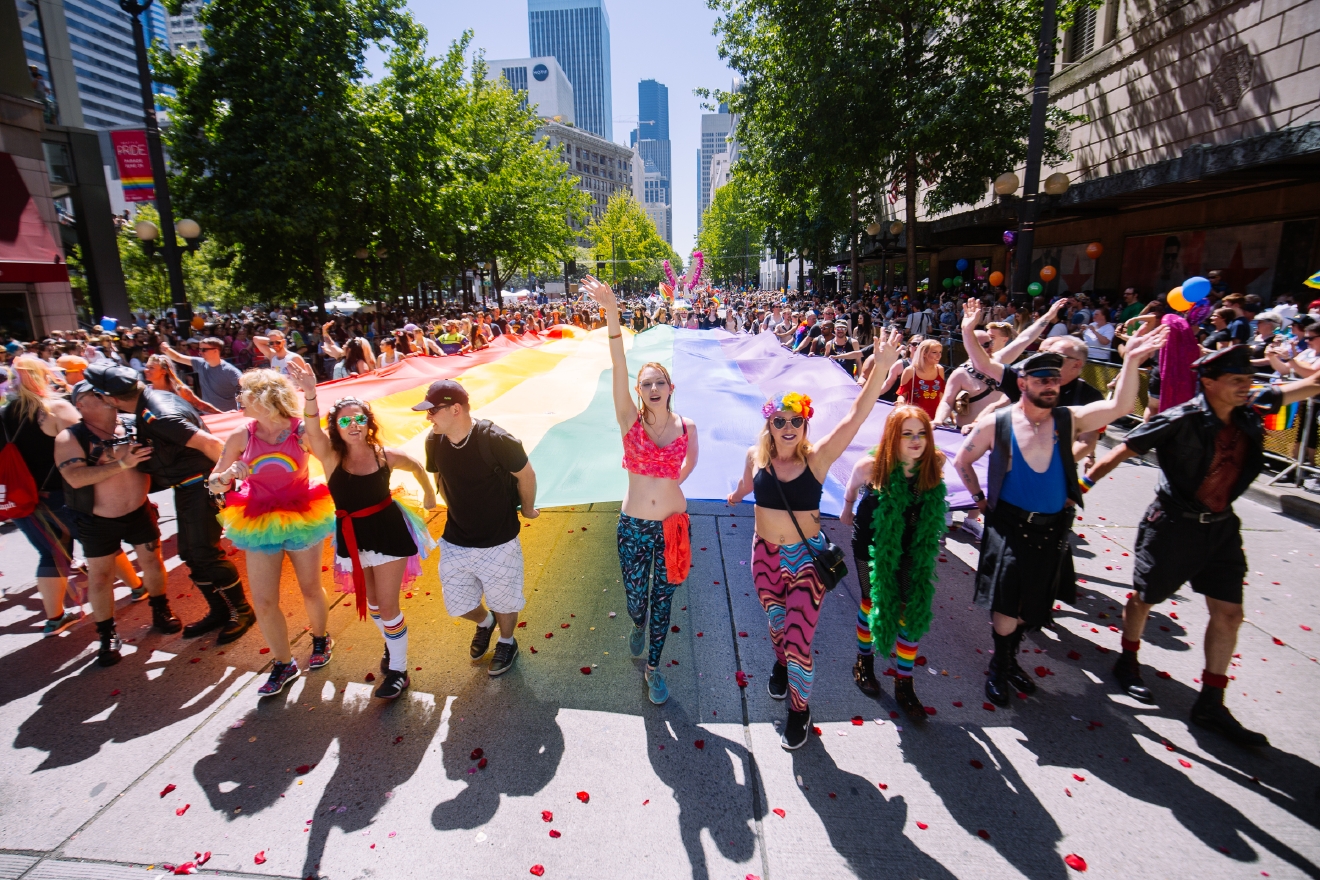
[(974, 527)]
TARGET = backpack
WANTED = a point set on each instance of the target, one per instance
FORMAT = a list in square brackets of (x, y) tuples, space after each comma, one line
[(482, 429), (18, 490)]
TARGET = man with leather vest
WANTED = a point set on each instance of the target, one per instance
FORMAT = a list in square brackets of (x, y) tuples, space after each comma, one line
[(1026, 560), (1209, 450), (182, 455), (98, 459)]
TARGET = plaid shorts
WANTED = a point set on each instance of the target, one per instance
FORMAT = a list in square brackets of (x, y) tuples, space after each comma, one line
[(468, 573)]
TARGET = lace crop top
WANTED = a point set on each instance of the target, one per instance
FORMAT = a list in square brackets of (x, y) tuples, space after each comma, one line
[(641, 456)]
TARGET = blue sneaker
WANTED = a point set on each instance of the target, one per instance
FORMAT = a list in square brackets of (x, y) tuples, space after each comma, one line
[(137, 594), (280, 676), (655, 682), (637, 641), (55, 627)]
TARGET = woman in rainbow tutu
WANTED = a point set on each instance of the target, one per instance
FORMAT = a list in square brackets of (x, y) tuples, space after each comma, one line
[(272, 509), (379, 538)]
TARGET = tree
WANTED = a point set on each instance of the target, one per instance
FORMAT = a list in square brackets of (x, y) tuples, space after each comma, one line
[(206, 271), (626, 240), (731, 234)]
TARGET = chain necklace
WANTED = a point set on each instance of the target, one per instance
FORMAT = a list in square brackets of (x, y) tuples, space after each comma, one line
[(466, 438)]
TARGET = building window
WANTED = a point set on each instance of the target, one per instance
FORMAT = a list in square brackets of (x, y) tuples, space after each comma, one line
[(1081, 37)]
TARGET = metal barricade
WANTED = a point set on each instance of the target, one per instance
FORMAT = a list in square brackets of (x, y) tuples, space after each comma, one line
[(1291, 443)]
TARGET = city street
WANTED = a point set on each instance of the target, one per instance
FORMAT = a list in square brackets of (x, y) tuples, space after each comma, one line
[(562, 768)]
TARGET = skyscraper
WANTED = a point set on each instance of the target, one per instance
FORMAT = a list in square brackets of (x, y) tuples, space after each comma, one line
[(577, 34), (715, 128), (651, 139)]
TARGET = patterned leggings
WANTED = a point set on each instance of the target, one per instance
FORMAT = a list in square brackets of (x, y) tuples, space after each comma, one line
[(645, 580), (791, 591)]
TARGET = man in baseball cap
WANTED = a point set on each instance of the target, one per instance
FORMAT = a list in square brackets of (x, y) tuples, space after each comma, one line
[(443, 392)]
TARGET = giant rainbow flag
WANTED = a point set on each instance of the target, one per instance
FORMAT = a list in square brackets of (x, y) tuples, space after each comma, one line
[(552, 391)]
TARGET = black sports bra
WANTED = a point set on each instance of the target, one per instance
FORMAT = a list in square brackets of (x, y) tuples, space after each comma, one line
[(803, 491)]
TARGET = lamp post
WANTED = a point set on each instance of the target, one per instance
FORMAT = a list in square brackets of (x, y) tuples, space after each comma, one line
[(173, 265), (148, 235), (481, 281)]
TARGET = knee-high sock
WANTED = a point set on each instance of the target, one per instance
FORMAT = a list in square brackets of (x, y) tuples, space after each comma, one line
[(864, 627), (396, 637), (905, 654)]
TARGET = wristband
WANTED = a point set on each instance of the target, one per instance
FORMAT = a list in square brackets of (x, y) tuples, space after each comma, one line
[(617, 336), (1086, 483)]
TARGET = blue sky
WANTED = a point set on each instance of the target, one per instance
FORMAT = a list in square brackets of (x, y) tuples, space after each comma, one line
[(666, 40)]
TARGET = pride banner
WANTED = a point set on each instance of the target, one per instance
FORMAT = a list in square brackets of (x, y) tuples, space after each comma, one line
[(134, 163), (552, 391)]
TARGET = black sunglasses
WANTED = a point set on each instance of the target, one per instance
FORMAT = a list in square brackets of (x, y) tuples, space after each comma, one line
[(780, 422)]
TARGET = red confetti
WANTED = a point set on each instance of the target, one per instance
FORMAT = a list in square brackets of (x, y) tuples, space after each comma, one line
[(181, 810), (371, 676), (583, 796), (742, 635), (547, 816), (522, 624), (585, 670), (816, 730), (989, 707), (264, 651), (1074, 861), (957, 704), (476, 755), (538, 870), (922, 825), (303, 769), (701, 743), (883, 787), (1079, 778), (983, 834), (482, 764), (555, 834), (778, 812), (857, 721), (169, 788), (673, 629), (741, 678), (930, 710), (115, 692), (1073, 655), (975, 763), (1162, 674), (563, 626), (1187, 764)]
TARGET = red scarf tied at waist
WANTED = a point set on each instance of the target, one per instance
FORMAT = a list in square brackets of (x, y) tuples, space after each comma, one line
[(350, 539), (678, 547)]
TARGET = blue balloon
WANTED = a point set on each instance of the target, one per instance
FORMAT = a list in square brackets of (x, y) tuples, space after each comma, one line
[(1195, 288), (962, 265), (109, 324)]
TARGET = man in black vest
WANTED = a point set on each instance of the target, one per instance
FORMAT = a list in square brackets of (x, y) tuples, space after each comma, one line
[(1210, 449), (182, 456), (1026, 561)]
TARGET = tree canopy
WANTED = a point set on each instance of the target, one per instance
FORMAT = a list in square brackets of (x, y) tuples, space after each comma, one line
[(732, 234), (625, 239)]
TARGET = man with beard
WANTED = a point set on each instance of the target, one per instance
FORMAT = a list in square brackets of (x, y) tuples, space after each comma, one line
[(1031, 499), (1210, 449)]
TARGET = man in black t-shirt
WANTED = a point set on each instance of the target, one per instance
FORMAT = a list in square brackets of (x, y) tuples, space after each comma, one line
[(484, 475)]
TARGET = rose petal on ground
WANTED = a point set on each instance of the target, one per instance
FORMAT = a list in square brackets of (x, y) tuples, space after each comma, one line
[(482, 764), (563, 626), (989, 707), (922, 825), (585, 670), (185, 868), (538, 870), (264, 651), (476, 755), (533, 649), (167, 789), (1277, 641), (1074, 861), (983, 834), (115, 692), (259, 858), (397, 740), (1073, 655), (741, 678), (555, 834), (1187, 764), (701, 743), (816, 730), (522, 624), (583, 796), (742, 635), (930, 710), (549, 635), (1079, 778), (547, 816), (181, 810), (699, 635), (303, 769), (370, 676), (778, 812), (1162, 674), (858, 721), (882, 786), (957, 704), (1304, 626)]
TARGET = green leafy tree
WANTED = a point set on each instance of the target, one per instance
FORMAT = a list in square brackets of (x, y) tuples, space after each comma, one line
[(625, 239), (732, 235), (206, 271)]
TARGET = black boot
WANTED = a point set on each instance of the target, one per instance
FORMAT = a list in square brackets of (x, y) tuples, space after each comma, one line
[(864, 675), (161, 617), (1127, 671), (907, 698), (997, 688), (217, 617), (110, 643), (778, 684), (241, 615), (796, 730), (1016, 675), (1210, 713)]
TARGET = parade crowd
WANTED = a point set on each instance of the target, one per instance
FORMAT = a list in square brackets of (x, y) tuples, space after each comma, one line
[(96, 421)]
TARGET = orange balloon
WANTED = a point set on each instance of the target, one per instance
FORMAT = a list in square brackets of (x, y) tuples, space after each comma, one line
[(996, 279), (1176, 301), (1047, 273), (1094, 250)]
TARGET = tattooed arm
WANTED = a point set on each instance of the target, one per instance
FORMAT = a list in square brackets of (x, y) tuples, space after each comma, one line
[(977, 444)]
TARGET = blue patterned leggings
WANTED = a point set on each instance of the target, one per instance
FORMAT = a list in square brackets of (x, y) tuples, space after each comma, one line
[(645, 581)]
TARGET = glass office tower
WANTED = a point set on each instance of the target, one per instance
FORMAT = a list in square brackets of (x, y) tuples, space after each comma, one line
[(577, 34)]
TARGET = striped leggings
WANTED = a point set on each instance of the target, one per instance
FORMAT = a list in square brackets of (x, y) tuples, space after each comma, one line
[(905, 647), (790, 590)]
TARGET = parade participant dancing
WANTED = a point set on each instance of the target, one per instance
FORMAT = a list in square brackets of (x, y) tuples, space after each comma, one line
[(1033, 493), (108, 497), (906, 497), (183, 454), (276, 511), (1209, 449), (378, 539), (654, 535), (786, 474), (922, 383)]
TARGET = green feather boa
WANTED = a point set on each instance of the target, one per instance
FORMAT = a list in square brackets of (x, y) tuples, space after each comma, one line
[(886, 550)]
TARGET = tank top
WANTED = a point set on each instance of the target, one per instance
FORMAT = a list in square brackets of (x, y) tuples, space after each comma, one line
[(925, 393), (36, 448), (1028, 490), (278, 478), (803, 491), (383, 532), (278, 364), (641, 456)]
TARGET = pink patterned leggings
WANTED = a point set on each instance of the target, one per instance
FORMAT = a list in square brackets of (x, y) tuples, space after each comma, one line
[(790, 590)]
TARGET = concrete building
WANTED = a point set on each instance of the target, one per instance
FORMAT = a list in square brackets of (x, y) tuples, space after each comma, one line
[(1200, 151), (651, 140), (715, 128), (577, 34), (548, 90), (185, 30), (602, 167)]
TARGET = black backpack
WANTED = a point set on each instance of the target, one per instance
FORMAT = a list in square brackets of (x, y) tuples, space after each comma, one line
[(482, 428)]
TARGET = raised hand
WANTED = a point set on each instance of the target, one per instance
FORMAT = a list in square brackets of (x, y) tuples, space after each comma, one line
[(302, 376), (971, 314), (600, 292), (1142, 347)]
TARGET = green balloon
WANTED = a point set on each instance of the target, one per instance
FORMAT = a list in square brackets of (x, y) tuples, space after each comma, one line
[(1035, 288), (947, 282), (957, 281)]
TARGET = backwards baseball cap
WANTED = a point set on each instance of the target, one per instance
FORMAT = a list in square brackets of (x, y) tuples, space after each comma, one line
[(1042, 365), (79, 389), (443, 392), (1234, 359), (108, 377)]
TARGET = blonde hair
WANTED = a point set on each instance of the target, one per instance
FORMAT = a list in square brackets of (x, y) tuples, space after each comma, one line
[(34, 376), (765, 450), (669, 402), (1004, 327), (926, 346), (272, 390)]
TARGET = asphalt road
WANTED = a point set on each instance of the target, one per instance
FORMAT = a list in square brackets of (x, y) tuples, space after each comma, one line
[(107, 772)]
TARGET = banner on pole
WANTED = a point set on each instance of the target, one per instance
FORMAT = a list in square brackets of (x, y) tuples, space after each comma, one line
[(134, 165)]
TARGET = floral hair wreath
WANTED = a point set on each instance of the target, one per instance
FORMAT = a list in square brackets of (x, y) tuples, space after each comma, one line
[(791, 401)]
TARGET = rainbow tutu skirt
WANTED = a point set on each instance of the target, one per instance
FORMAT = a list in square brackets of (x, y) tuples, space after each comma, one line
[(297, 523)]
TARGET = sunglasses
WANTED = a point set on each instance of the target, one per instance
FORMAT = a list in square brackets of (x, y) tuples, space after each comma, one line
[(355, 419), (780, 422)]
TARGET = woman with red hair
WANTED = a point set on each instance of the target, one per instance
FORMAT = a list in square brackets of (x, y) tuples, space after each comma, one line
[(901, 518)]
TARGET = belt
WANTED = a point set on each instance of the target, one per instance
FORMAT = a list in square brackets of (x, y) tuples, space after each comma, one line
[(1031, 517), (1203, 517), (350, 540), (189, 481)]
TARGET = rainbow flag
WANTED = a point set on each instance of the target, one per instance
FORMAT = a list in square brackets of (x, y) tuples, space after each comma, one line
[(1283, 419), (552, 391)]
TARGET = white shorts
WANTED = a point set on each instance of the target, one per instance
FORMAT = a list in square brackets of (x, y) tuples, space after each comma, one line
[(468, 573)]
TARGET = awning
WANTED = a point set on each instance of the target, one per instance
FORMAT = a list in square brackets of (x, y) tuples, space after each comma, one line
[(28, 254)]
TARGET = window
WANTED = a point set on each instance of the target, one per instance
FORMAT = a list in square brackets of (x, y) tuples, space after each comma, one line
[(1081, 37)]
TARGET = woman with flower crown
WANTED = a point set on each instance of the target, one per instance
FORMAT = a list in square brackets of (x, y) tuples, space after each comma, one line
[(786, 474), (659, 452)]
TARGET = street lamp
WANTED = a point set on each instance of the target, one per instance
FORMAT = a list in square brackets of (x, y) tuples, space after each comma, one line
[(481, 280), (169, 247)]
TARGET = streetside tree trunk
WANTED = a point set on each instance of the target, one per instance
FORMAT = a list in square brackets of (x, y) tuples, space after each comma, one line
[(318, 282), (852, 247), (910, 200)]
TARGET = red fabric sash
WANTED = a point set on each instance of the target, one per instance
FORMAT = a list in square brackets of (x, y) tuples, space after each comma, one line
[(678, 548), (350, 538)]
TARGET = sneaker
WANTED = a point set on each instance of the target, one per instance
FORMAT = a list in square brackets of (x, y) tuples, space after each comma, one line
[(1215, 716), (137, 594), (796, 730), (505, 654), (280, 676), (55, 627), (323, 647), (481, 640), (393, 686), (778, 685), (974, 527), (385, 659), (637, 641), (655, 683)]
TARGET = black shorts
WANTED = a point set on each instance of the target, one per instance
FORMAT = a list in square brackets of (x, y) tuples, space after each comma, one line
[(103, 535), (1173, 550), (1153, 386)]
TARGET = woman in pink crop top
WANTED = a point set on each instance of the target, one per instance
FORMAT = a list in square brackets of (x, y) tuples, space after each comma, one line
[(659, 451)]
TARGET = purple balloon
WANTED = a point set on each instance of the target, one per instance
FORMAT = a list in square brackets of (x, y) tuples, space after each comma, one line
[(1009, 237)]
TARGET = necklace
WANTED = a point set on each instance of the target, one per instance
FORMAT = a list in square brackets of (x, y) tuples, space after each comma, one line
[(466, 438)]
